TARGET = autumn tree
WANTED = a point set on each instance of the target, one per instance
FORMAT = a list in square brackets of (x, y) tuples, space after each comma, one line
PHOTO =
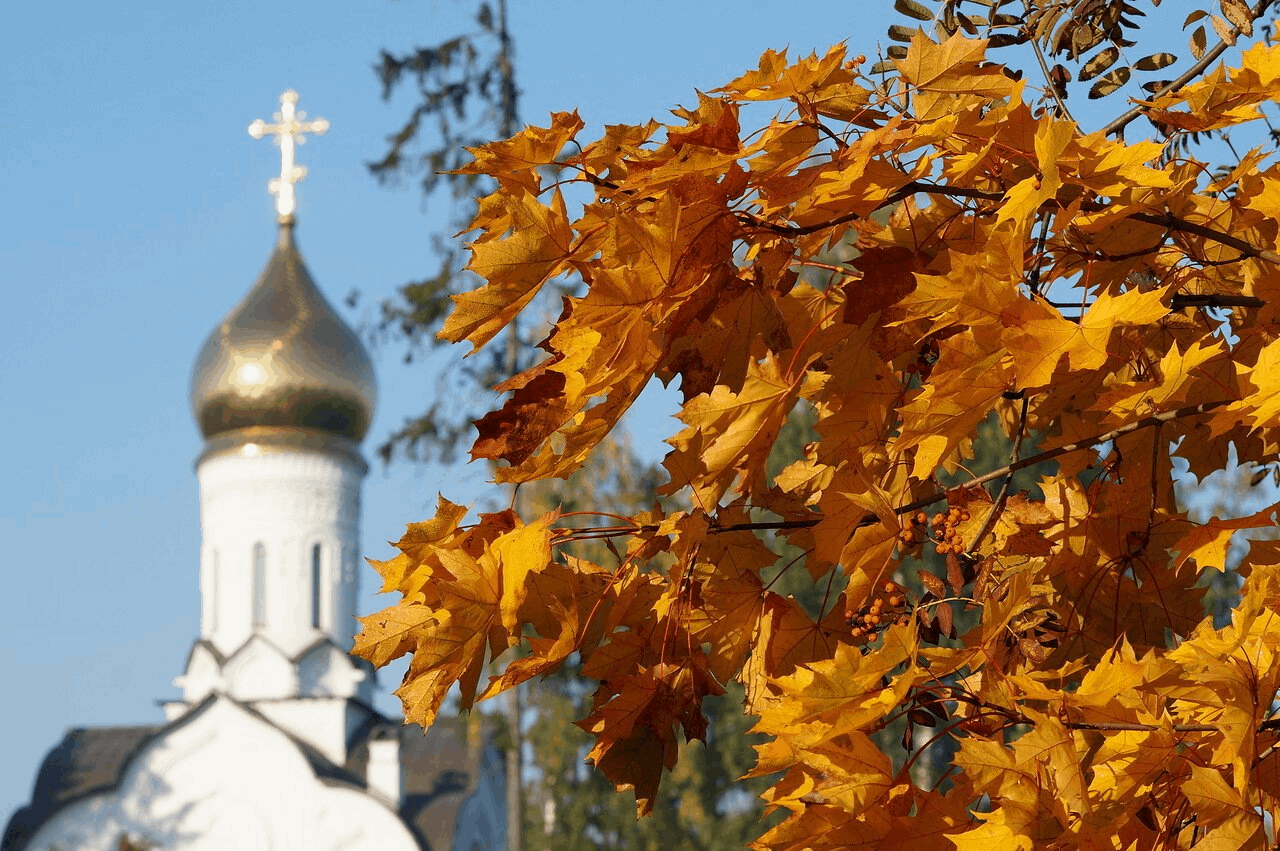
[(1114, 296)]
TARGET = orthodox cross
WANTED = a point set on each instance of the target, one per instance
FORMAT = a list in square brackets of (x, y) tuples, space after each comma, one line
[(288, 129)]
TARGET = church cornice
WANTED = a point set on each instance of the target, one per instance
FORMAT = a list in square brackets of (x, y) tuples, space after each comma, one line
[(273, 440)]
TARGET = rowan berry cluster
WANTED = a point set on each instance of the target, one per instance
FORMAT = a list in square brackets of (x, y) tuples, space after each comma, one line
[(917, 530), (886, 608), (946, 530)]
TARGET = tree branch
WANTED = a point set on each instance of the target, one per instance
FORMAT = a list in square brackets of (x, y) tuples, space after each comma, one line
[(1172, 222), (1117, 126), (566, 534), (1166, 220)]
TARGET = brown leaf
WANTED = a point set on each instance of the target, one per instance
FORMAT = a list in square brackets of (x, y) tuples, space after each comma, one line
[(1198, 42), (1155, 62), (945, 618), (933, 583), (1100, 62), (1110, 83), (912, 9), (1224, 30), (897, 32), (1239, 14)]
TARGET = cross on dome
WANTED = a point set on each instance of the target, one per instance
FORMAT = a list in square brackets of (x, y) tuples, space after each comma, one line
[(289, 127)]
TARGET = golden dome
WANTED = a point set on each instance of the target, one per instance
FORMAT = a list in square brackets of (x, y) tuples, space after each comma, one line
[(283, 358)]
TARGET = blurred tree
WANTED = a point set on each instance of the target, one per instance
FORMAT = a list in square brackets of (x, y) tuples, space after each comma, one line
[(1238, 490), (466, 96)]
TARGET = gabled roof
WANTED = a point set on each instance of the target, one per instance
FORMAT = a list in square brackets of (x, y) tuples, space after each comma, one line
[(88, 760), (441, 768), (93, 760)]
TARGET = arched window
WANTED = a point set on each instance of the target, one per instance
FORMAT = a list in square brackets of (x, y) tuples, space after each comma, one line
[(259, 585), (213, 592), (315, 586), (349, 580)]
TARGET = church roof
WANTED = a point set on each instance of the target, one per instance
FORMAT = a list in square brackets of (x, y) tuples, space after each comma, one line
[(284, 358), (87, 760), (440, 769)]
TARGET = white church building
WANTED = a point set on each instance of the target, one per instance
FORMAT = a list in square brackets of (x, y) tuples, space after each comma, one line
[(274, 744)]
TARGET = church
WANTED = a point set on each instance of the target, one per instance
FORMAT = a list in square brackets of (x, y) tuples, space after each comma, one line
[(274, 742)]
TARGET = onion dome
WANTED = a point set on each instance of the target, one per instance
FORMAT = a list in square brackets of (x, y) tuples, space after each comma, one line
[(283, 359)]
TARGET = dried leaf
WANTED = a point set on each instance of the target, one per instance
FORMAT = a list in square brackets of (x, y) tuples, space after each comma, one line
[(1239, 14), (1198, 42), (1155, 62), (897, 32), (935, 585), (1110, 83), (1224, 30), (1100, 62), (913, 9)]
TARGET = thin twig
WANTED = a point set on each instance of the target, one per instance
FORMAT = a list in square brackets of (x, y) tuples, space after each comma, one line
[(1048, 77), (1166, 220)]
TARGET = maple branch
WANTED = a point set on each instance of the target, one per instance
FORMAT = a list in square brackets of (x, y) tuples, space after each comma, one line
[(1123, 120), (1172, 222), (871, 519), (1086, 443), (914, 187), (1184, 300)]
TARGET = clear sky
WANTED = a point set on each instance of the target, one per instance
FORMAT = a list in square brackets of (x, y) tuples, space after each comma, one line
[(134, 214)]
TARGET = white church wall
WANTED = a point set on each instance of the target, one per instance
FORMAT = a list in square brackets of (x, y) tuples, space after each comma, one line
[(281, 499), (320, 722), (326, 671), (259, 670), (202, 677), (226, 780)]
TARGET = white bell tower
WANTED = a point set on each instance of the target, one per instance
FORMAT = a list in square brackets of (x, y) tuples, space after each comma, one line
[(283, 392)]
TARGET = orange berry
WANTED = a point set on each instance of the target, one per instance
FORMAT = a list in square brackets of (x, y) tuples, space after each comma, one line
[(895, 601), (889, 587), (920, 517), (874, 620)]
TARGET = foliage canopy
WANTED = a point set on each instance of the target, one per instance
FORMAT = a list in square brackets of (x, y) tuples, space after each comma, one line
[(1117, 300)]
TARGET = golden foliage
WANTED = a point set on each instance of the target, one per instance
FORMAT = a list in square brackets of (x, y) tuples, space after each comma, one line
[(1002, 260)]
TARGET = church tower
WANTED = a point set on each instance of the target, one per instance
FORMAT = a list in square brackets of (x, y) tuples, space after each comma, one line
[(283, 392), (275, 744)]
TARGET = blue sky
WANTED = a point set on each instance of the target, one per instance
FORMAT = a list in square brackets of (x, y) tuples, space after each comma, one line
[(134, 214)]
